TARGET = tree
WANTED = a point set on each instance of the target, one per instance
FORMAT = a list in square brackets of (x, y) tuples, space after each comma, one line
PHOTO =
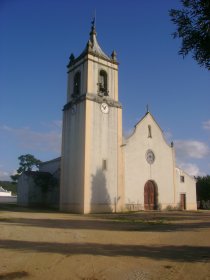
[(203, 189), (193, 27), (27, 163), (45, 181)]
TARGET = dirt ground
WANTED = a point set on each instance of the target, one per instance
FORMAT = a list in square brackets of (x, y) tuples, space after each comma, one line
[(140, 246)]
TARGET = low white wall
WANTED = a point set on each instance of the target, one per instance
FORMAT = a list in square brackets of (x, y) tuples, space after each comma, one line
[(5, 193)]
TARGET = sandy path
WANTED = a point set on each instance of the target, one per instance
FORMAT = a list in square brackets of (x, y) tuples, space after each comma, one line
[(170, 245)]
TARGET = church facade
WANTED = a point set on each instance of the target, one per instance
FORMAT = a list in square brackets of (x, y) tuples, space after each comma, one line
[(100, 170), (152, 180)]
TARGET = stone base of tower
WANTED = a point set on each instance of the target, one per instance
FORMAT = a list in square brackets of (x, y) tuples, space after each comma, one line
[(93, 208), (72, 208), (102, 208)]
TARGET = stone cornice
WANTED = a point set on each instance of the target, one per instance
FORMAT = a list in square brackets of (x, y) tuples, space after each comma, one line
[(86, 58), (94, 98)]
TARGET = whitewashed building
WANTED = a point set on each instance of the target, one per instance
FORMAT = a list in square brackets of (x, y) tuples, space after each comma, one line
[(101, 172), (152, 180), (4, 192), (29, 193)]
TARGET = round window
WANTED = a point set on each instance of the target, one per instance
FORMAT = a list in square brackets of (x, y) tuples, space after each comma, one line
[(150, 157)]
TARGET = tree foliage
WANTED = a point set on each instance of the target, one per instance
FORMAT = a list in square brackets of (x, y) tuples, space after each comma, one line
[(203, 188), (45, 181), (193, 27), (26, 163)]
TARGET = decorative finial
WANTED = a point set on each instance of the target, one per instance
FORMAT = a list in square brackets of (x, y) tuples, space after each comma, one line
[(147, 108), (72, 57), (93, 22), (114, 55), (93, 26), (89, 46), (71, 60)]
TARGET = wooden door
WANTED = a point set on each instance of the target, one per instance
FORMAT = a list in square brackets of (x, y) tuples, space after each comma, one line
[(150, 196), (183, 201)]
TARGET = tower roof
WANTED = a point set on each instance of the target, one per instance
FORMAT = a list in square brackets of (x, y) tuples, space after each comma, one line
[(92, 47), (93, 44)]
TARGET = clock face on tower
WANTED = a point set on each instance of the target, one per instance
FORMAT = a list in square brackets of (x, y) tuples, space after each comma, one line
[(104, 108), (150, 157)]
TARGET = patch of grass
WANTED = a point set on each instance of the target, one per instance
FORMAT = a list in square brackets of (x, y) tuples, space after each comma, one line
[(89, 278), (139, 221), (133, 218), (5, 220), (14, 275), (168, 266)]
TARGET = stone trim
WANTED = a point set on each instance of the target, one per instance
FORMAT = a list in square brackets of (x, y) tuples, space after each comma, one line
[(92, 97), (93, 54), (86, 59)]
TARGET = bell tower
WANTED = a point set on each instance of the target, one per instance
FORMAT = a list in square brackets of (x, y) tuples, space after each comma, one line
[(92, 163)]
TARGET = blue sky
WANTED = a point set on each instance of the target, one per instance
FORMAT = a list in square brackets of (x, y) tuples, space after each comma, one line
[(37, 38)]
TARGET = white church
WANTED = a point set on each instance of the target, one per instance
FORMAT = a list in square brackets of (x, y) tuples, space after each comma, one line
[(100, 170)]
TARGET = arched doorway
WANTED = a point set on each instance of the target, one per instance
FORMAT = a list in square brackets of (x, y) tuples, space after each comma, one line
[(150, 195)]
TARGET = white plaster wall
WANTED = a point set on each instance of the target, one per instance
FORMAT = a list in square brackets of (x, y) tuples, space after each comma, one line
[(27, 192), (187, 187), (104, 146), (72, 162), (73, 145), (50, 166), (138, 171), (6, 193), (103, 139), (89, 137), (23, 190)]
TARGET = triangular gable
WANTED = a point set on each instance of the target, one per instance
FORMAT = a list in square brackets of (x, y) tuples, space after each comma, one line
[(140, 121)]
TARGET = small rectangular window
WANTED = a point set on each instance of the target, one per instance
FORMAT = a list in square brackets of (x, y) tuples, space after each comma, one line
[(182, 179), (149, 131), (104, 164)]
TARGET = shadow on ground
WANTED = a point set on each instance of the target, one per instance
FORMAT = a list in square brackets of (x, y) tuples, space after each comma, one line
[(154, 225), (176, 253), (13, 207), (14, 275), (139, 221)]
